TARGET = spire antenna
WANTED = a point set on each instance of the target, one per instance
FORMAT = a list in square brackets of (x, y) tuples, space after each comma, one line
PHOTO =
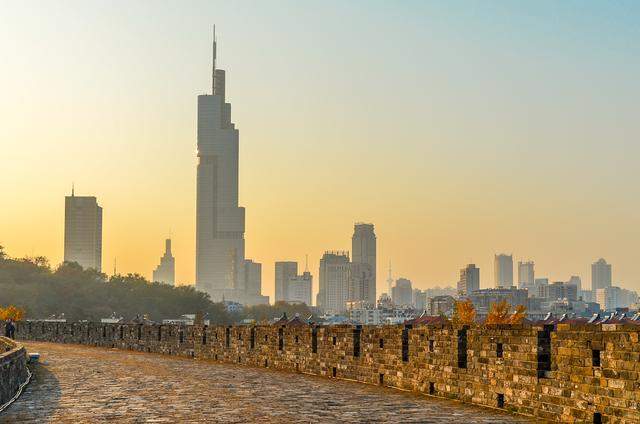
[(213, 70), (306, 263), (73, 189)]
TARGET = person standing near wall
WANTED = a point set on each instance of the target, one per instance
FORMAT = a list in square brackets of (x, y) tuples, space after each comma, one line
[(10, 329)]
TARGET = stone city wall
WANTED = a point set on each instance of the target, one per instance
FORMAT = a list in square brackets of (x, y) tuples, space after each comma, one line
[(13, 369), (566, 372)]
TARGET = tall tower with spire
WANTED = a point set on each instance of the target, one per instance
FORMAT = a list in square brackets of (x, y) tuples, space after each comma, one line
[(219, 219)]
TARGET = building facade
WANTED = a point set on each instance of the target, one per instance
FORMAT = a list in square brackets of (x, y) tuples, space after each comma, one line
[(300, 288), (83, 231), (402, 292), (560, 290), (469, 280), (284, 272), (600, 275), (253, 284), (503, 271), (363, 251), (334, 278), (361, 282), (526, 275), (219, 220), (420, 300), (165, 272), (482, 299)]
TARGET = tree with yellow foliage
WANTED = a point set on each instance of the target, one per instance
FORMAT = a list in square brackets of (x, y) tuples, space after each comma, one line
[(518, 316), (11, 312), (465, 312), (499, 314)]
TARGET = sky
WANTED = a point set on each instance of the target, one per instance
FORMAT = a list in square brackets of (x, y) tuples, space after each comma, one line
[(460, 129)]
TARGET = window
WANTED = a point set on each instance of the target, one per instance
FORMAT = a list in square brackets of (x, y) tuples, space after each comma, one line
[(499, 350), (595, 357), (381, 343)]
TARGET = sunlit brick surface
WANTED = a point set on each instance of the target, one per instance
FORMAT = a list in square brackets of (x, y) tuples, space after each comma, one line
[(88, 384)]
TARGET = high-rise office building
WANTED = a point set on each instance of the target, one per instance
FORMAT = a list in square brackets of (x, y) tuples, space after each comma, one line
[(165, 272), (503, 270), (469, 280), (361, 283), (83, 231), (402, 292), (334, 282), (420, 300), (285, 271), (219, 219), (253, 284), (300, 288), (539, 287), (560, 290), (526, 275), (600, 275), (363, 251), (576, 281)]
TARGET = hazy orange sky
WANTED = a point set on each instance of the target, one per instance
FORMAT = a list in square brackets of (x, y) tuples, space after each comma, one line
[(460, 129)]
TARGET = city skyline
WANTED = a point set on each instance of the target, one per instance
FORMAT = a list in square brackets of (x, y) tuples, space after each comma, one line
[(428, 251)]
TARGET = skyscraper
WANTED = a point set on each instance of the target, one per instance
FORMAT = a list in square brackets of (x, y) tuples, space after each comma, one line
[(219, 219), (83, 231), (600, 275), (503, 270), (253, 284), (285, 271), (576, 281), (363, 250), (300, 288), (361, 283), (402, 292), (334, 281), (469, 280), (526, 275), (165, 272)]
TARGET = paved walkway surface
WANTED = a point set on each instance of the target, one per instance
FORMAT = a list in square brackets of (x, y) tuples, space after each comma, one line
[(77, 384)]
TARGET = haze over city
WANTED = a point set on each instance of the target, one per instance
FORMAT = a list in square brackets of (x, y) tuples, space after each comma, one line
[(459, 132)]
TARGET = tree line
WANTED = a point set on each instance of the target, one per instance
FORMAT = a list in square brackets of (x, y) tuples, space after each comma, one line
[(40, 290)]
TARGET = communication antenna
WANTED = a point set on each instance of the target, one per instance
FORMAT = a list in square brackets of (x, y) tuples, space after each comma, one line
[(306, 263), (213, 70)]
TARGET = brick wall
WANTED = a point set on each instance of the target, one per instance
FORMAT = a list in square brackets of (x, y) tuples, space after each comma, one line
[(567, 373), (13, 368)]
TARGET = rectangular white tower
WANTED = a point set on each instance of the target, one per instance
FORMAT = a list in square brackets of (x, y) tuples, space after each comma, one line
[(83, 231), (219, 220)]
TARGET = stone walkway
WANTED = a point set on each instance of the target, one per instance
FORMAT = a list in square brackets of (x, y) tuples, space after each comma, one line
[(78, 384)]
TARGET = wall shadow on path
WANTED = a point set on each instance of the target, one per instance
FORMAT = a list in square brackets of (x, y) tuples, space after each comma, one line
[(39, 399)]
